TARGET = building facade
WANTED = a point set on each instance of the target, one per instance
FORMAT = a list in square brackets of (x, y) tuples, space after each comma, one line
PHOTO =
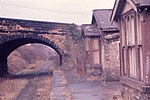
[(133, 18), (109, 45), (92, 49)]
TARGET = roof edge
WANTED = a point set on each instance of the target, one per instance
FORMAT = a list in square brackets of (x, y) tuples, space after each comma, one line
[(112, 17), (100, 9)]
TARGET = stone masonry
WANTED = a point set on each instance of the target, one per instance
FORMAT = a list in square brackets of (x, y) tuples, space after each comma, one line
[(112, 64), (15, 33), (67, 39), (75, 46)]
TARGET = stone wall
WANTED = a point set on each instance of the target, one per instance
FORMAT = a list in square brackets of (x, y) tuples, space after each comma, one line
[(75, 50), (59, 40), (112, 63), (129, 93), (68, 37)]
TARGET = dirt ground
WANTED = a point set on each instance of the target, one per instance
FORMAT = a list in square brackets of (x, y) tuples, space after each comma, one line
[(27, 85)]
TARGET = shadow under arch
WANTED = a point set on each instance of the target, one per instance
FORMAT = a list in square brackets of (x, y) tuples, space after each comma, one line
[(8, 43)]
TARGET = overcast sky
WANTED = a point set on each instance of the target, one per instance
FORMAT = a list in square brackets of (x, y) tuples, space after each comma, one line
[(66, 11)]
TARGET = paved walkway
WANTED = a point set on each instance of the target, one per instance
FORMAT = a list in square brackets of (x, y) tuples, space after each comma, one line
[(67, 86)]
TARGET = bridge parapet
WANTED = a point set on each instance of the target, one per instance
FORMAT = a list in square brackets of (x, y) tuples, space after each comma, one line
[(55, 32), (9, 26)]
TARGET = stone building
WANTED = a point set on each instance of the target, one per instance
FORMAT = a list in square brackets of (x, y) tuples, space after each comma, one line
[(133, 18), (92, 49), (109, 43)]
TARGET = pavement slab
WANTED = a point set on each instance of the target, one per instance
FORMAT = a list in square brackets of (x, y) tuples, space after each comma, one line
[(71, 87), (59, 87)]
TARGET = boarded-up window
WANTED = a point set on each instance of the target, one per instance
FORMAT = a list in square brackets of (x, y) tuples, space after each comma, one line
[(132, 54), (87, 43), (130, 30), (123, 67), (127, 31), (123, 32), (132, 62), (95, 49), (140, 62), (139, 34), (124, 62), (95, 44), (130, 38), (96, 59)]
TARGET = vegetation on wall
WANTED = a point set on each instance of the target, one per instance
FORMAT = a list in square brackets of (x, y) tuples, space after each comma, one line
[(75, 48)]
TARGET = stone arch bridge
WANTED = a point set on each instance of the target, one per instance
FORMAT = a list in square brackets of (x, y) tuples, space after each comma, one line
[(15, 33)]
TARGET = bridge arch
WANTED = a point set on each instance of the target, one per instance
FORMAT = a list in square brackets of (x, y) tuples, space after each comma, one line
[(9, 43)]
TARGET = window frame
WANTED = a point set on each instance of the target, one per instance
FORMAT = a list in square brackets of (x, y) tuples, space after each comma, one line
[(129, 33)]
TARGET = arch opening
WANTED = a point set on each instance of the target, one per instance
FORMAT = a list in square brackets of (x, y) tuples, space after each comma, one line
[(32, 58), (12, 44)]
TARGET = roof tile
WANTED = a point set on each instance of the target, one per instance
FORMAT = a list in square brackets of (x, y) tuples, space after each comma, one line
[(102, 17), (90, 30)]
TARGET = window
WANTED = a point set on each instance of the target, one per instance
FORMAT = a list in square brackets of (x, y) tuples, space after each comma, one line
[(95, 44), (95, 49), (130, 30), (96, 59), (132, 62), (124, 61), (127, 30), (125, 65), (139, 49), (140, 62), (130, 38), (123, 32), (139, 35)]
